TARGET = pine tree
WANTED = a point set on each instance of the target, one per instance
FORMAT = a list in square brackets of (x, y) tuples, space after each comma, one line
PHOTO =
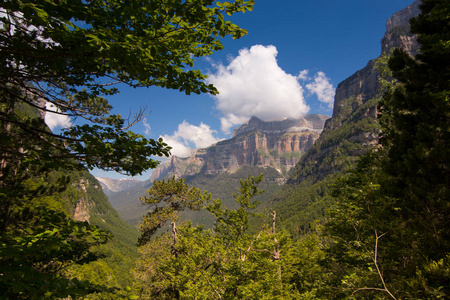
[(390, 223)]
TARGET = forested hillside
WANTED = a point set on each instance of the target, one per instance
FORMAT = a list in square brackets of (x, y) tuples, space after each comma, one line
[(221, 186)]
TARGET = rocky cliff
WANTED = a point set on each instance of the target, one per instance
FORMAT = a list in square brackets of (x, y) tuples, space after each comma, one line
[(397, 31), (277, 144), (363, 85), (353, 129)]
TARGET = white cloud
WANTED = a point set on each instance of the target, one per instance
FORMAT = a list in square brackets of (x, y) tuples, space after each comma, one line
[(54, 120), (303, 75), (254, 85), (17, 22), (147, 126), (188, 135), (322, 88), (178, 147)]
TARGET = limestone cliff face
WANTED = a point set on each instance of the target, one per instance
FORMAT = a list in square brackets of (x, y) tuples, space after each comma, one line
[(353, 129), (397, 31), (278, 144), (83, 206), (363, 84)]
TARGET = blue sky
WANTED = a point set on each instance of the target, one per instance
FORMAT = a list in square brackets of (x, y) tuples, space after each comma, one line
[(294, 56)]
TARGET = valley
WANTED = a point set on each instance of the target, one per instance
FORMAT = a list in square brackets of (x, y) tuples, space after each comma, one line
[(348, 206)]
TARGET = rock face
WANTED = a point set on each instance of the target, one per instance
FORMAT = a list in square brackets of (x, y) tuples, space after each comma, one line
[(278, 144), (363, 84), (353, 129), (397, 31)]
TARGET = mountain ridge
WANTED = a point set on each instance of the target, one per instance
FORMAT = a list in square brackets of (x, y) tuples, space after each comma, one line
[(110, 185), (276, 144)]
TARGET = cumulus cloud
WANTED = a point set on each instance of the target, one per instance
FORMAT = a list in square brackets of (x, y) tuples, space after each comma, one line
[(188, 135), (254, 85), (322, 87), (55, 120)]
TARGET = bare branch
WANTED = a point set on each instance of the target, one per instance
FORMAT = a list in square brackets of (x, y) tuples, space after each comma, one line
[(375, 260)]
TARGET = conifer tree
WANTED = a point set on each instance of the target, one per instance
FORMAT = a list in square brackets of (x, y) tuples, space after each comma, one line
[(390, 221)]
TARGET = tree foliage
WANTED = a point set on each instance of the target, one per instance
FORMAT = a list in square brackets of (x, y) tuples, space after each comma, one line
[(39, 241), (169, 199), (73, 53), (227, 262)]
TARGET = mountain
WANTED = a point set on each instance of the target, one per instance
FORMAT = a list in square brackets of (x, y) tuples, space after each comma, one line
[(111, 186), (352, 131), (127, 202), (276, 144), (255, 147)]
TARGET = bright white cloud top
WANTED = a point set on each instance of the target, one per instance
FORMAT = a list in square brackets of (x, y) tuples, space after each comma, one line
[(254, 85), (55, 120), (188, 135)]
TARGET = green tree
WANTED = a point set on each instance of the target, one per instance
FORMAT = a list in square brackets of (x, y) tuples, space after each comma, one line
[(176, 196), (74, 53), (416, 121), (390, 223), (225, 262)]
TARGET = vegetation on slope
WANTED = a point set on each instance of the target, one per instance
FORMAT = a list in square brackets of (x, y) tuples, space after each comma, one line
[(306, 196)]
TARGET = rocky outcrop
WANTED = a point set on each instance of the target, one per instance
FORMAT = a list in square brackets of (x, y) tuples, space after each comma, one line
[(82, 206), (277, 144), (81, 211), (397, 31), (353, 129), (363, 85)]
